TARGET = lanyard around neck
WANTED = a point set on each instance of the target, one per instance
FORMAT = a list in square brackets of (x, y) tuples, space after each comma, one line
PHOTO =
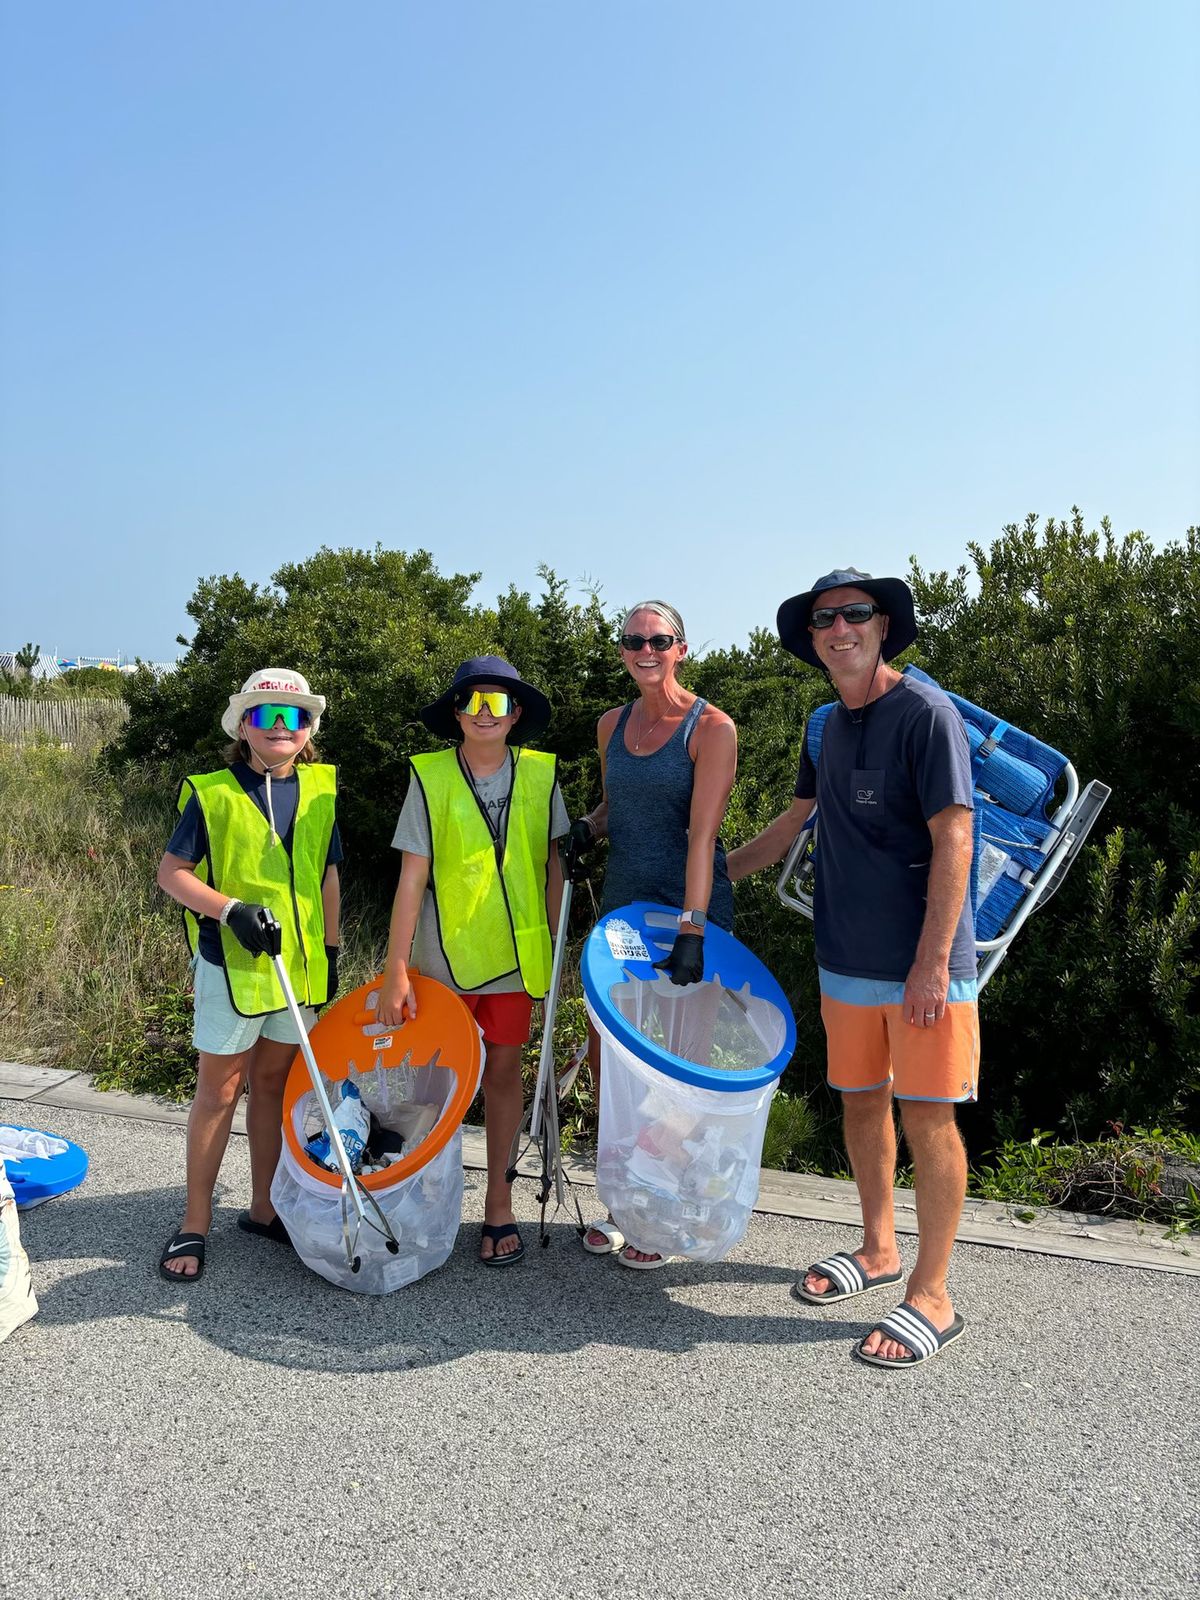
[(496, 830)]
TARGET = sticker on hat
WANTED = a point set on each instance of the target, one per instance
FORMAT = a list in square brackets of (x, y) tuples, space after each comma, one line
[(272, 686)]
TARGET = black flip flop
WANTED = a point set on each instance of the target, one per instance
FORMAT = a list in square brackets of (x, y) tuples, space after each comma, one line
[(183, 1244), (495, 1233), (265, 1230)]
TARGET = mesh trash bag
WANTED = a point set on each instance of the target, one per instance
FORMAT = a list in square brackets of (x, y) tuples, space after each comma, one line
[(418, 1080), (687, 1076)]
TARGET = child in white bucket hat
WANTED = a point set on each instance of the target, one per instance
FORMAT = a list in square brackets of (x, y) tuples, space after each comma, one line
[(258, 837)]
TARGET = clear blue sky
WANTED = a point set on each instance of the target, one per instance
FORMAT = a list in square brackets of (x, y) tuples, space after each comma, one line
[(694, 299)]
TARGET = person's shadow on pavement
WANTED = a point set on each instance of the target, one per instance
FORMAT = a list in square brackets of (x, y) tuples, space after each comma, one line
[(258, 1300)]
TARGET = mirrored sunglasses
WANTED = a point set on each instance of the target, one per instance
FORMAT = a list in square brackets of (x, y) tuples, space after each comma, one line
[(293, 717), (498, 701), (633, 642), (858, 612)]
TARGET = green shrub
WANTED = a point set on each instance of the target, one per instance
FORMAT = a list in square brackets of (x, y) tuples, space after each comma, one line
[(1148, 1175)]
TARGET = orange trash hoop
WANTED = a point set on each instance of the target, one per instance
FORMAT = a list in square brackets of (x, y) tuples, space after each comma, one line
[(348, 1035)]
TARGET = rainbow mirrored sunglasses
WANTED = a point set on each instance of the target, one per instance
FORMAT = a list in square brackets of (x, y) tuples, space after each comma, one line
[(498, 701), (293, 717)]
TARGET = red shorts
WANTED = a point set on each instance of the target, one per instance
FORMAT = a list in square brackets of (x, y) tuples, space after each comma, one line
[(502, 1018)]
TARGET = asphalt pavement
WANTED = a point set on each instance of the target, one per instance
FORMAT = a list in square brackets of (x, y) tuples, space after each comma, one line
[(569, 1428)]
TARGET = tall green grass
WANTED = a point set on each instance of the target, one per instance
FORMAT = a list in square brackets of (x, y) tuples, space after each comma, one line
[(94, 970)]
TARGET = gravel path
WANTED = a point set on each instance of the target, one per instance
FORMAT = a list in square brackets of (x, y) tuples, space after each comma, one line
[(568, 1428)]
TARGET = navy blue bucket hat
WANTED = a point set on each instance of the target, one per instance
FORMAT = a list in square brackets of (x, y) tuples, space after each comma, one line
[(439, 718), (892, 595)]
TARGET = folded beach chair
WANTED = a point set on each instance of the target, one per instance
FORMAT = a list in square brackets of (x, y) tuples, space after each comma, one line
[(1025, 840)]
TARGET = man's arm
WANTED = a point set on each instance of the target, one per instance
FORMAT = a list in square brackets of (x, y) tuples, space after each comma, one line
[(772, 844), (949, 871)]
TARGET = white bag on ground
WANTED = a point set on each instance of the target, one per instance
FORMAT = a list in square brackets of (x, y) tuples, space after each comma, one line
[(17, 1300), (424, 1210)]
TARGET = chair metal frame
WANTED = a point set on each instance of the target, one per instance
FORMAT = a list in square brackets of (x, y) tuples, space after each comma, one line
[(1070, 823)]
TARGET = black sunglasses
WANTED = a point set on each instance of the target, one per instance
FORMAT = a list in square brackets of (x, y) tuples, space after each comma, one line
[(858, 611), (633, 642)]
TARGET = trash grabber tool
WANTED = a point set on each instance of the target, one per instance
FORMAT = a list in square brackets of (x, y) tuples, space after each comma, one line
[(542, 1119), (550, 1011), (354, 1196)]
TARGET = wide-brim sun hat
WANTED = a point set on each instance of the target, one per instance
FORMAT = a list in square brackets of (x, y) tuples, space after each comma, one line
[(892, 594), (274, 686), (439, 717)]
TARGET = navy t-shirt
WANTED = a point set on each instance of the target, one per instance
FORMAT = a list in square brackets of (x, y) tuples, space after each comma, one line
[(190, 839), (876, 784)]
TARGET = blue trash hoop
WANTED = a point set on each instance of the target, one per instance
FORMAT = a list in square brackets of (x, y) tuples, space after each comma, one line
[(626, 943), (43, 1177)]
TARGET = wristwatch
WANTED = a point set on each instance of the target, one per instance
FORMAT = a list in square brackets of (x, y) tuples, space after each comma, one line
[(693, 919)]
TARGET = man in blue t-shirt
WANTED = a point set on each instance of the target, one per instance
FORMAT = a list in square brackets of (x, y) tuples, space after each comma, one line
[(894, 936)]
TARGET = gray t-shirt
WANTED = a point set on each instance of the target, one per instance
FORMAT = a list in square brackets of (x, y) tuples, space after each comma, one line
[(412, 834)]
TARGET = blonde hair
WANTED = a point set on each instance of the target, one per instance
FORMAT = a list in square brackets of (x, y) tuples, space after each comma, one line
[(239, 750), (662, 609)]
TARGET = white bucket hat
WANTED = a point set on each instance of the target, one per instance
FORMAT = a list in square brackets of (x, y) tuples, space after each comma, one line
[(272, 686)]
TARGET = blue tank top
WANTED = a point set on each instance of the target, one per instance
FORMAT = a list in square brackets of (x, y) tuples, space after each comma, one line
[(649, 809)]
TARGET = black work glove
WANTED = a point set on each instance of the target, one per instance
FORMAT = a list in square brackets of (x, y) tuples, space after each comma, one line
[(255, 929), (685, 964), (579, 841), (331, 955)]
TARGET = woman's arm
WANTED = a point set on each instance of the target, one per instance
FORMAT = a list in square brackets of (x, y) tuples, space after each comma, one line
[(715, 770), (597, 819), (397, 1001), (554, 887)]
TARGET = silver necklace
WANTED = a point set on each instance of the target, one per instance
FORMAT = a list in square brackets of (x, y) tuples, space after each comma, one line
[(646, 732)]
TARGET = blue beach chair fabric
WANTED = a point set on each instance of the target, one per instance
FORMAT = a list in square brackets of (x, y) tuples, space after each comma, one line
[(1025, 842)]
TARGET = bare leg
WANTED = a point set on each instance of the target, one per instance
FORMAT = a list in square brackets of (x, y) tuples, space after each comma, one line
[(270, 1064), (504, 1106), (218, 1086), (940, 1177), (871, 1145)]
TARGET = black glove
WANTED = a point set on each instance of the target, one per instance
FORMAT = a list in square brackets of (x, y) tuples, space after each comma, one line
[(331, 955), (685, 964), (579, 841), (255, 929)]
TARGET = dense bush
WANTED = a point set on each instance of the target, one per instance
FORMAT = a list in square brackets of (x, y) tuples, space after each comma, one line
[(1082, 638)]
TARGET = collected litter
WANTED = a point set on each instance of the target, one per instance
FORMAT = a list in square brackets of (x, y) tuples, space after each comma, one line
[(686, 1082), (370, 1182)]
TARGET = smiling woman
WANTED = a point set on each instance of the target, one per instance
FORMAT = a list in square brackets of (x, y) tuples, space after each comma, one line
[(667, 762)]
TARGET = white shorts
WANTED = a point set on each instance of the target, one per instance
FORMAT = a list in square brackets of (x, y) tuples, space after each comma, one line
[(219, 1031)]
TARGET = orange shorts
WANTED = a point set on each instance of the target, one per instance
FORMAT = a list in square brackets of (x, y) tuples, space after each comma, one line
[(502, 1018), (870, 1044)]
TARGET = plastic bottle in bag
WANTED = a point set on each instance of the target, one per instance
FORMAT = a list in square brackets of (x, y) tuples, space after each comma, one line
[(353, 1122)]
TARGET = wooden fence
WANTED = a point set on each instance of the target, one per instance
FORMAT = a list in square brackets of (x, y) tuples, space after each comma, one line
[(80, 720)]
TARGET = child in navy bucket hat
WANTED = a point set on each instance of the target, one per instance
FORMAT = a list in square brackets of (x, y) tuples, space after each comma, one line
[(480, 889)]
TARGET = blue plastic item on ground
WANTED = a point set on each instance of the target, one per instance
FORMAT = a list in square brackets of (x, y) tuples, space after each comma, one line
[(39, 1178)]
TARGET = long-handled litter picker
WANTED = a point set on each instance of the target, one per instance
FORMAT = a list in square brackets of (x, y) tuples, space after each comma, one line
[(355, 1197), (541, 1122)]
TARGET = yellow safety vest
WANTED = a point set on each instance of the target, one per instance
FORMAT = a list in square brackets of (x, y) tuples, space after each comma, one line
[(243, 862), (490, 922)]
